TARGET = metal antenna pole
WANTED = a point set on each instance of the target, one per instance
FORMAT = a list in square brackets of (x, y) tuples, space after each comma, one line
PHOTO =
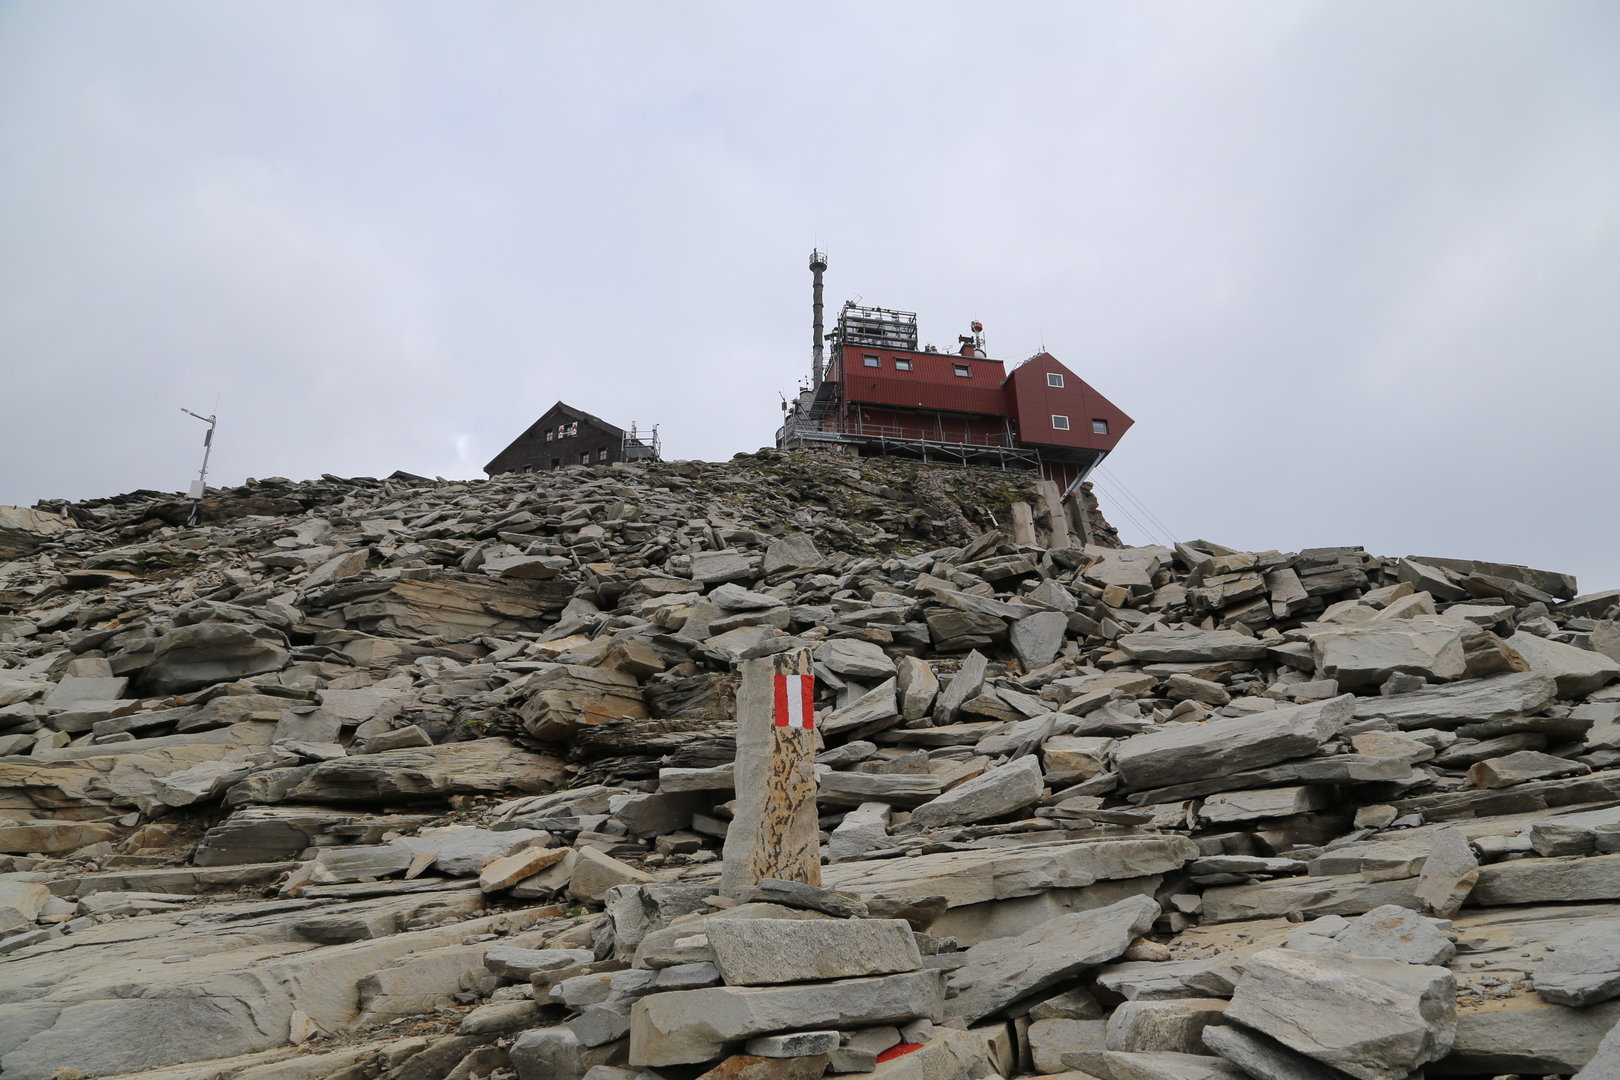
[(199, 486)]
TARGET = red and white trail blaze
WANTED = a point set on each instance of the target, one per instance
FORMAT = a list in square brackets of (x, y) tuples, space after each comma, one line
[(795, 701)]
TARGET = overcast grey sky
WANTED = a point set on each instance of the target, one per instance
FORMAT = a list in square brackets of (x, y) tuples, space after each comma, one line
[(1353, 267)]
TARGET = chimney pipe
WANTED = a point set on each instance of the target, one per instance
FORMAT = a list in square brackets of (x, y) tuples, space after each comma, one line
[(818, 263)]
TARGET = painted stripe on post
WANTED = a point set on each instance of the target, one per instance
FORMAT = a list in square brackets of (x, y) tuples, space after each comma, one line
[(795, 701)]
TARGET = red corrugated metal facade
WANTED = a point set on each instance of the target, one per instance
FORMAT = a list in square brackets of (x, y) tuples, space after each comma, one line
[(931, 383), (1095, 423), (886, 399), (976, 398)]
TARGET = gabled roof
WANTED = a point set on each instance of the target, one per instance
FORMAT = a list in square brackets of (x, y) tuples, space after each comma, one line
[(581, 414), (547, 419)]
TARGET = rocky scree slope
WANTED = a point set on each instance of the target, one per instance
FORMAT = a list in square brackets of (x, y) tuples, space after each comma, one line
[(417, 779)]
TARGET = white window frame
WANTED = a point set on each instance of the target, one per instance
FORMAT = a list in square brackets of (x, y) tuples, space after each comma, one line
[(550, 434), (1099, 426), (1054, 379), (601, 455), (963, 371), (902, 363), (871, 361), (1060, 422)]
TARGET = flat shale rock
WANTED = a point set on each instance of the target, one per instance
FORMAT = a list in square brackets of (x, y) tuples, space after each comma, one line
[(1539, 881), (570, 696), (766, 952), (984, 874), (1396, 933), (1583, 969), (691, 1026), (1367, 656), (994, 793), (1230, 744), (1525, 1035), (191, 657), (483, 766), (1261, 1057), (764, 1067), (1373, 1019), (1472, 700), (1192, 646), (1577, 671), (1605, 1062), (20, 904), (1521, 768), (999, 972), (1166, 1065)]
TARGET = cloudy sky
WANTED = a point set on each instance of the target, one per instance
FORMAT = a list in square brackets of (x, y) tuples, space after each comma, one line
[(1354, 267)]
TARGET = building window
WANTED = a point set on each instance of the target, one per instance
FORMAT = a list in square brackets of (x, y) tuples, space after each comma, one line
[(870, 361), (549, 434), (1054, 379), (902, 364), (556, 463), (963, 371), (601, 455), (1099, 427), (1060, 423), (585, 458)]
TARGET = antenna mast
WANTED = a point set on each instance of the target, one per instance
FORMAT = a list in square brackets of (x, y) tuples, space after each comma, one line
[(199, 486), (818, 264)]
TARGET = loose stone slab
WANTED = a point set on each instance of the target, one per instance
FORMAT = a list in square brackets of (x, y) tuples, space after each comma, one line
[(1396, 933), (508, 870), (1327, 895), (767, 952), (797, 1044), (1374, 1019), (1523, 767), (1472, 700), (1606, 1061), (1149, 1026), (1229, 745), (990, 795), (683, 1027), (1000, 971), (20, 904), (1366, 656), (979, 875), (1524, 1035), (1540, 881), (1255, 805), (1583, 969), (1170, 1066), (512, 962), (1262, 1057), (853, 789), (1192, 646), (1577, 671)]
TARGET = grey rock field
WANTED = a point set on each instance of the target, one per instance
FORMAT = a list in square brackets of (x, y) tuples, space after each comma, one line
[(417, 779)]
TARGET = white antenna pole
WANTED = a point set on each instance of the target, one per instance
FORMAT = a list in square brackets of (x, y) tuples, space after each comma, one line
[(199, 486)]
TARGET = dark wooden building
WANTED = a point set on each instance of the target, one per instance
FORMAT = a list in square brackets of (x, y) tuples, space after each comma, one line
[(569, 436)]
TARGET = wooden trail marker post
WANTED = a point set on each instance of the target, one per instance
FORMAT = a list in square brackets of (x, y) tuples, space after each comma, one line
[(773, 831)]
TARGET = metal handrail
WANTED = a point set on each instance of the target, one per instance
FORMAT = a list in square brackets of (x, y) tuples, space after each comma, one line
[(894, 431)]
